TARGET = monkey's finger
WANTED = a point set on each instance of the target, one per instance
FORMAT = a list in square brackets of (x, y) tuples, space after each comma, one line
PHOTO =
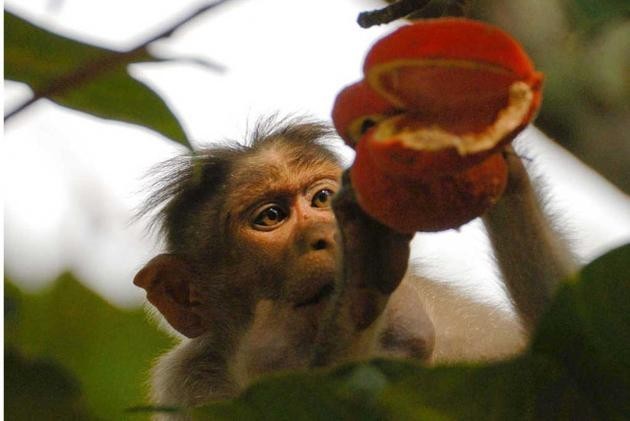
[(517, 174)]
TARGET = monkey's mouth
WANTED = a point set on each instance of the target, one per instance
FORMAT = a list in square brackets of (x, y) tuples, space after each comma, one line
[(323, 293)]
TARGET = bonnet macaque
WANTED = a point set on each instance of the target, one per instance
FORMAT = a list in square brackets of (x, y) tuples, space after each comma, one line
[(271, 264)]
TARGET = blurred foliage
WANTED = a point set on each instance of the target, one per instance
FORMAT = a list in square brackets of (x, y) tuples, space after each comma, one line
[(587, 329), (527, 388), (85, 77), (40, 389), (82, 344), (583, 47)]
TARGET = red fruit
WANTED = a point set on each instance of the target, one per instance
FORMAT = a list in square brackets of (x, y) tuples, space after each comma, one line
[(409, 205), (444, 96)]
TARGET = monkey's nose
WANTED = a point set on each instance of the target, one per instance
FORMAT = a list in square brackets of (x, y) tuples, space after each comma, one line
[(317, 236), (320, 244)]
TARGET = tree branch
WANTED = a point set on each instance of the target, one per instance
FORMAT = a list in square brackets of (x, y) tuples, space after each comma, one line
[(390, 13), (414, 9), (93, 69)]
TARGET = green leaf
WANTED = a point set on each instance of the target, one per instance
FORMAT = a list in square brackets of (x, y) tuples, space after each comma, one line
[(591, 14), (316, 395), (40, 390), (84, 77), (527, 388), (587, 329), (107, 349)]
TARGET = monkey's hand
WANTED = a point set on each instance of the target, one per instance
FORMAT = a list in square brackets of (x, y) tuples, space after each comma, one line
[(518, 178), (375, 257)]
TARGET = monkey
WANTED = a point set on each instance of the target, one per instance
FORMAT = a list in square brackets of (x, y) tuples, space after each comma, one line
[(271, 264)]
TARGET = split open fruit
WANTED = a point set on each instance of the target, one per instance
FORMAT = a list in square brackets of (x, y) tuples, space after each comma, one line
[(439, 101)]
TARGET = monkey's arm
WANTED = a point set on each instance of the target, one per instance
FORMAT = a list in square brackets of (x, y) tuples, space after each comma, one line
[(373, 262), (531, 255)]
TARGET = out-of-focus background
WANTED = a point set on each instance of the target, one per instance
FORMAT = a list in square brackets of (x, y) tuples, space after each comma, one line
[(72, 181)]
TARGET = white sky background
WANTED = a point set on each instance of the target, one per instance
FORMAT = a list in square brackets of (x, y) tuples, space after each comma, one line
[(72, 181)]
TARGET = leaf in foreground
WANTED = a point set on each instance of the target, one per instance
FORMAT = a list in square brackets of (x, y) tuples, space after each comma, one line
[(108, 350), (84, 77), (40, 389), (587, 329)]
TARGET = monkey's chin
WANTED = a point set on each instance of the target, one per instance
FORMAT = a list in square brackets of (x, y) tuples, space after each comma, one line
[(318, 299), (313, 287)]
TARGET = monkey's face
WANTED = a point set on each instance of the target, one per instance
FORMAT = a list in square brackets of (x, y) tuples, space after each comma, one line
[(285, 233)]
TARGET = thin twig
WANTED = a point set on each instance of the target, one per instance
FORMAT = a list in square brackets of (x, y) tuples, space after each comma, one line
[(390, 13), (93, 69), (21, 107), (183, 21), (206, 64)]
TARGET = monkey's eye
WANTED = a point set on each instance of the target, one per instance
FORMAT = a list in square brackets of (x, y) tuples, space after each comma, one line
[(322, 198), (270, 216)]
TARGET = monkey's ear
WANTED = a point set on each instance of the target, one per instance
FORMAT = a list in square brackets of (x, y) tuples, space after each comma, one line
[(167, 279)]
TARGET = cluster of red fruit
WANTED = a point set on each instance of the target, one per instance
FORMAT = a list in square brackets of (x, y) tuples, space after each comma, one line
[(439, 102)]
